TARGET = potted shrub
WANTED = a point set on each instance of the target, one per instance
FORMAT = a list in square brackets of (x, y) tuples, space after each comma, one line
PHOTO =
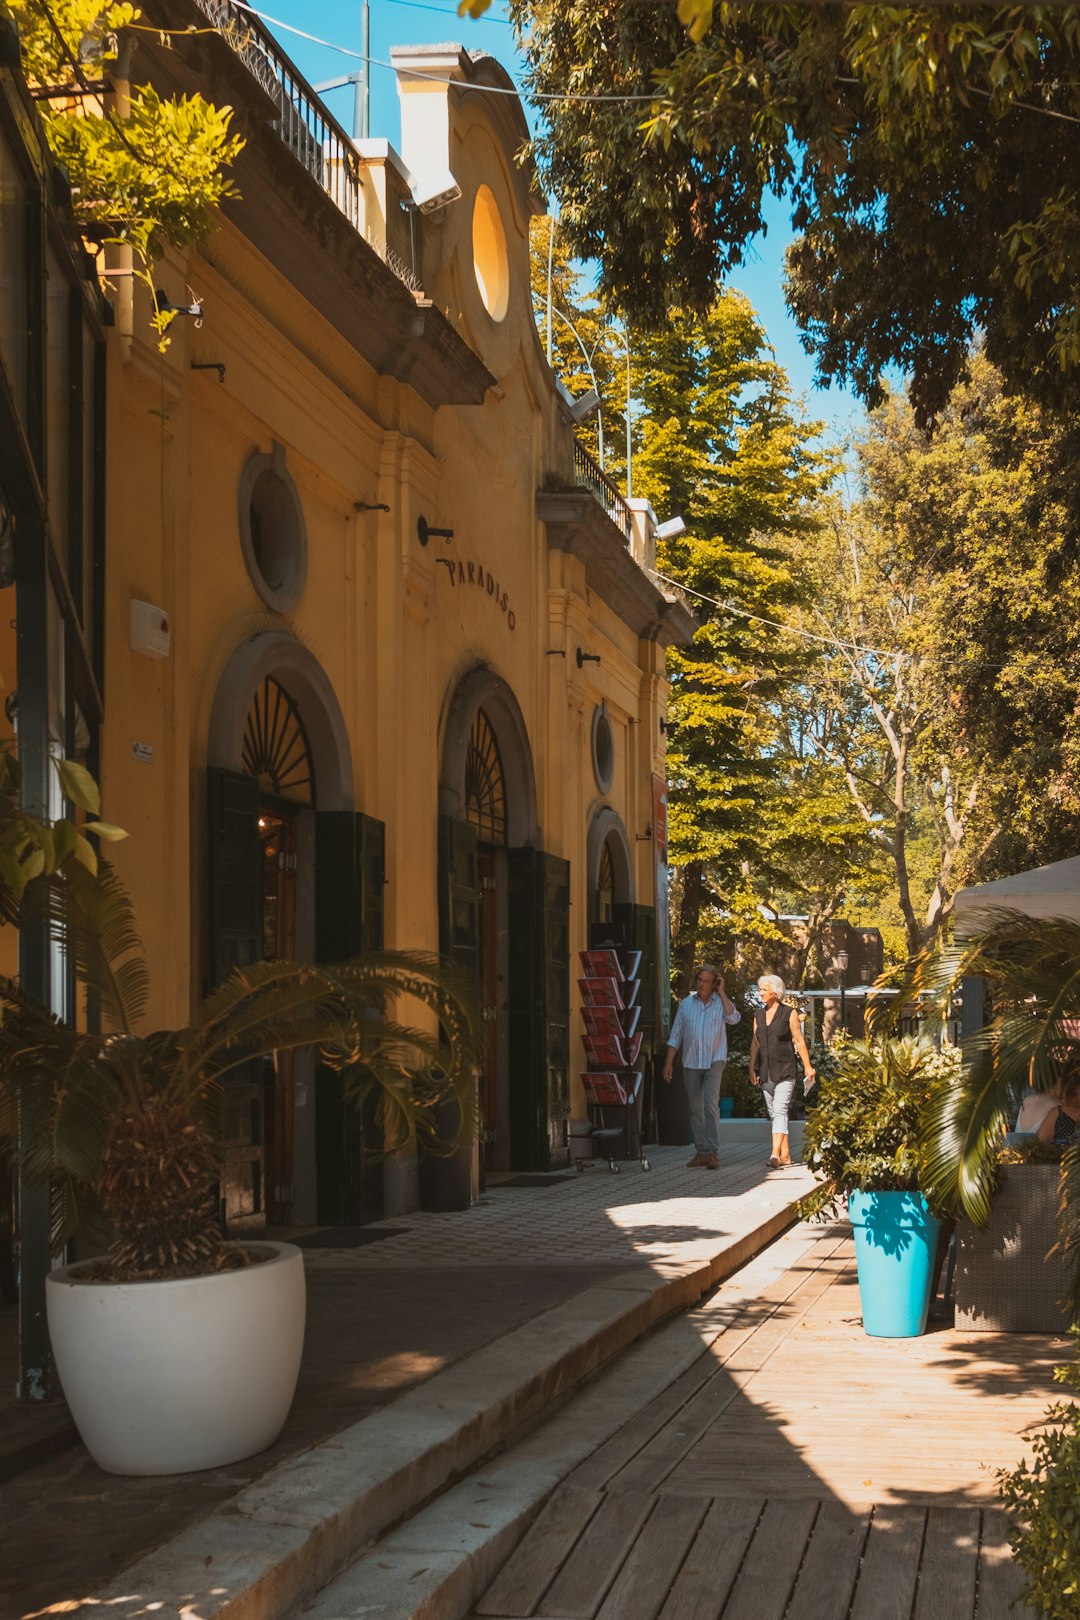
[(1028, 966), (178, 1350), (862, 1136), (1040, 1500)]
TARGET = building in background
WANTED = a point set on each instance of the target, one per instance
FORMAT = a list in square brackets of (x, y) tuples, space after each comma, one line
[(386, 659)]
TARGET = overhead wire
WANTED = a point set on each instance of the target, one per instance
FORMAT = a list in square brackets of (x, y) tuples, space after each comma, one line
[(775, 624)]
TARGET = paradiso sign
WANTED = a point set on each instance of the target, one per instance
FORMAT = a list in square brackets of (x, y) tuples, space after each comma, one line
[(476, 575)]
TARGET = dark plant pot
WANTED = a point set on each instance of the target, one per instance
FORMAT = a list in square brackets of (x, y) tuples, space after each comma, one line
[(672, 1110), (447, 1180), (1006, 1279), (895, 1243)]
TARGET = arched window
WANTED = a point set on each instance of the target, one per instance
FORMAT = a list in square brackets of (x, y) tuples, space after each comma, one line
[(276, 747), (605, 886), (485, 785)]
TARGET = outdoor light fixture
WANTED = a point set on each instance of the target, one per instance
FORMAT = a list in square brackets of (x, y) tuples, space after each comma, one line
[(164, 306), (670, 530), (433, 191), (424, 532), (663, 725), (584, 406), (842, 960), (586, 658)]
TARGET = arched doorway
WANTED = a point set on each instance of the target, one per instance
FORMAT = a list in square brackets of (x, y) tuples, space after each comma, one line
[(503, 918), (609, 868), (292, 873)]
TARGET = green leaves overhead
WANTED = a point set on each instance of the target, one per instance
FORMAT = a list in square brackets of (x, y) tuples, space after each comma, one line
[(929, 153)]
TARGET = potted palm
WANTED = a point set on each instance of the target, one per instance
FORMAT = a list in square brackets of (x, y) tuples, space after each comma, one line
[(177, 1349), (862, 1137), (1030, 968)]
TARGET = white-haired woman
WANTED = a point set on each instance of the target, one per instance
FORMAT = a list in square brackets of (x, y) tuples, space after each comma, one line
[(776, 1048)]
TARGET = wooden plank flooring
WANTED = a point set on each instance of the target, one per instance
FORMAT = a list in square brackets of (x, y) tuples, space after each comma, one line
[(799, 1471)]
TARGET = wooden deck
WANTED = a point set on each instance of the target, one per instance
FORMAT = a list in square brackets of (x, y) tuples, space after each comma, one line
[(799, 1471)]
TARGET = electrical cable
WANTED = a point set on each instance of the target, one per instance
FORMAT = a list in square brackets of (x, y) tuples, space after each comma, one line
[(775, 624)]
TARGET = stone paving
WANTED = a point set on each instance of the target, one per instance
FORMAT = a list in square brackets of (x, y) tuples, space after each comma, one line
[(384, 1317)]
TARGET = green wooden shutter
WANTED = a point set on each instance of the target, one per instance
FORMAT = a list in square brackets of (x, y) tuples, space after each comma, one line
[(459, 895), (539, 904), (349, 908), (235, 873), (235, 940)]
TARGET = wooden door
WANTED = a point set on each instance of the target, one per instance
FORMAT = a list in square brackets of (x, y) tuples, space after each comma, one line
[(278, 843)]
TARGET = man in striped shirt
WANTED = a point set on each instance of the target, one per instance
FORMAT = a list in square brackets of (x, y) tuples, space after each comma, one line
[(700, 1029)]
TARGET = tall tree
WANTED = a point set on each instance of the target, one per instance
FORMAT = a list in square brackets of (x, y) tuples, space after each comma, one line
[(929, 153)]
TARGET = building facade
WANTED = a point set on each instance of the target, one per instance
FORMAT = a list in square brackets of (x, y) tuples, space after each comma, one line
[(385, 660)]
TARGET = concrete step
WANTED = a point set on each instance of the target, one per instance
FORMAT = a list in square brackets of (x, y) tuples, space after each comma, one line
[(284, 1538)]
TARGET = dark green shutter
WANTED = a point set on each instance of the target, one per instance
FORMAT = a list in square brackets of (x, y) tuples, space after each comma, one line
[(539, 904), (235, 873), (459, 895), (235, 940), (350, 868)]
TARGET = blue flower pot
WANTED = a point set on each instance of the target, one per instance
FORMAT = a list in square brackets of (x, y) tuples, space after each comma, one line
[(895, 1244), (727, 1107)]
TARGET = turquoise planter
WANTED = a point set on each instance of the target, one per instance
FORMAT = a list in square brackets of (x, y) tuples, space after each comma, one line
[(727, 1107), (895, 1244)]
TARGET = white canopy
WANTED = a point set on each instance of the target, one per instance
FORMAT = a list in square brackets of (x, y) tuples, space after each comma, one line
[(1046, 891)]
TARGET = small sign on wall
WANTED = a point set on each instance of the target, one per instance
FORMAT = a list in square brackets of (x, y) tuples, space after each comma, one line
[(143, 752)]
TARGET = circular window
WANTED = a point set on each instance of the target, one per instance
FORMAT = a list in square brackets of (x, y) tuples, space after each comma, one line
[(273, 534), (603, 749), (490, 260)]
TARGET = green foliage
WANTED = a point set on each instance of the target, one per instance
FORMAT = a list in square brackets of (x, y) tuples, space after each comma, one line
[(864, 1132), (1042, 1500), (33, 846), (1031, 971), (85, 1093), (929, 153), (147, 178)]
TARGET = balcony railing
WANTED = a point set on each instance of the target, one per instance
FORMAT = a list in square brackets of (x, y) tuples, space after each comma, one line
[(591, 476), (311, 133)]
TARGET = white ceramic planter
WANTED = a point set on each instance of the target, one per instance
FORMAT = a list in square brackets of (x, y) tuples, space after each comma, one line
[(171, 1377)]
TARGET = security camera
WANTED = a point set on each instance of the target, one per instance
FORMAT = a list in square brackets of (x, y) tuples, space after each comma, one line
[(670, 530), (584, 406), (434, 191)]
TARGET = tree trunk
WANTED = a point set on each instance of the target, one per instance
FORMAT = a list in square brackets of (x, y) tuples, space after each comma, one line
[(693, 893)]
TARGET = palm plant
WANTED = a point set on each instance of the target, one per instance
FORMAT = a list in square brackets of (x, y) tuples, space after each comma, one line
[(127, 1124), (1030, 967), (863, 1134)]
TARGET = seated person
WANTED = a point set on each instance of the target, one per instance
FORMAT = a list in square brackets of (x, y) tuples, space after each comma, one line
[(1061, 1123), (1034, 1109)]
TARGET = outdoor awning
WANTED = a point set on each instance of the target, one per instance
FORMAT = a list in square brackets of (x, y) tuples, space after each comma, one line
[(1046, 891)]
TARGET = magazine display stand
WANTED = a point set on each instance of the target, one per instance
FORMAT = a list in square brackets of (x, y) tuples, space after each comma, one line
[(610, 988)]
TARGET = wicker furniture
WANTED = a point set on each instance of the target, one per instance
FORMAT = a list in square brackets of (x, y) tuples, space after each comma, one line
[(1004, 1282)]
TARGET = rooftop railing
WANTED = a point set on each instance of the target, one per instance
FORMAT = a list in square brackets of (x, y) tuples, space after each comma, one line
[(306, 127), (591, 476)]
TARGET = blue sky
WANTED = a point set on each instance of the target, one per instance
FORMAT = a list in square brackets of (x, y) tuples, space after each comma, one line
[(405, 22)]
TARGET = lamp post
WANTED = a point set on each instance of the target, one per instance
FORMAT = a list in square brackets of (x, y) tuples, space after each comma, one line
[(587, 356), (613, 332), (842, 964)]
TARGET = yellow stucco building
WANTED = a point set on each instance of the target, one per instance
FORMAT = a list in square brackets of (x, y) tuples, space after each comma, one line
[(384, 663)]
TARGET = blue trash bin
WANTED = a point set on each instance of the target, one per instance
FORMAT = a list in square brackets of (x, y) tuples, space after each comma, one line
[(895, 1244)]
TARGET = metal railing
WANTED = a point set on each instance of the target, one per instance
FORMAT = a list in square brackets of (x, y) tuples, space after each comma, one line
[(591, 476), (306, 127)]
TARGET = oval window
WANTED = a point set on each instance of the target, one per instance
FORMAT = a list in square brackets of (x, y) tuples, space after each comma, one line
[(603, 749), (273, 534), (490, 260)]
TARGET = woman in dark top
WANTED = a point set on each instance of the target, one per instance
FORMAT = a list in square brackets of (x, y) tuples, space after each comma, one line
[(776, 1049), (1060, 1124)]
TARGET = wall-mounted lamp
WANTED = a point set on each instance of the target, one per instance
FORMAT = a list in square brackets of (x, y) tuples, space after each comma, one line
[(586, 658), (424, 532), (209, 365), (670, 530), (663, 725), (430, 192), (164, 306), (370, 506), (584, 406)]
